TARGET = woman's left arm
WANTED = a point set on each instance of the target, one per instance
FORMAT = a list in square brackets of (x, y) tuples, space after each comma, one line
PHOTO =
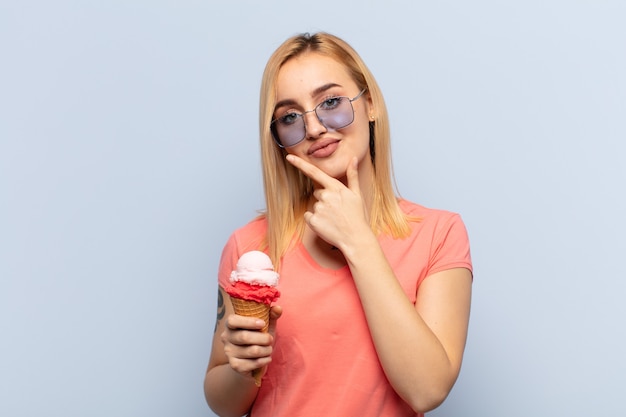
[(419, 346)]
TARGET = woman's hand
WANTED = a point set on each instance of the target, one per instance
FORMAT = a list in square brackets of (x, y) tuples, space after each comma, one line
[(339, 215), (238, 348), (246, 347)]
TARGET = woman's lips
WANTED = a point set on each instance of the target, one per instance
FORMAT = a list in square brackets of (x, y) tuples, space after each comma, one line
[(323, 149)]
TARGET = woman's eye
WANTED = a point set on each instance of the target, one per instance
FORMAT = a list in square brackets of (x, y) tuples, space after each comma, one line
[(331, 103), (289, 118)]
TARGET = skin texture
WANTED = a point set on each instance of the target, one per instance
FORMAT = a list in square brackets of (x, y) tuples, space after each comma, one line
[(419, 346)]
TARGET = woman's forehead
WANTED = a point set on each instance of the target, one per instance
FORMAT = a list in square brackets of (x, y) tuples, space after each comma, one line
[(308, 74)]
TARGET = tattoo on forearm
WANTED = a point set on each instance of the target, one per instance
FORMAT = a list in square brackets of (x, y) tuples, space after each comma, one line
[(221, 308)]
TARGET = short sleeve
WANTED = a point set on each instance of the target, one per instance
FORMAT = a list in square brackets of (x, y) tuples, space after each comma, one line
[(451, 247)]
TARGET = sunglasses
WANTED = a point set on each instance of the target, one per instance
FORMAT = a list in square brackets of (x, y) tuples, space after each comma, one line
[(333, 113)]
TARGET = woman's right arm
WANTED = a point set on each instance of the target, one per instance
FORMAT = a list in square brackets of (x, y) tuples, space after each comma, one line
[(238, 349)]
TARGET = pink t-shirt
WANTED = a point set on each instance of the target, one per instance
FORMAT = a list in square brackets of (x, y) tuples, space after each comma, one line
[(324, 362)]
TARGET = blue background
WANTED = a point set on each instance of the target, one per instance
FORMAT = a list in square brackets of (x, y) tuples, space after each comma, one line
[(128, 154)]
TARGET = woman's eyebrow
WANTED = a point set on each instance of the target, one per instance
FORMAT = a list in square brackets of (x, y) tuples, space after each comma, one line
[(284, 103), (316, 92), (323, 88)]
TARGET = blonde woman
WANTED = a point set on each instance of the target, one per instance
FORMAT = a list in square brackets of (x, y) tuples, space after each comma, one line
[(375, 290)]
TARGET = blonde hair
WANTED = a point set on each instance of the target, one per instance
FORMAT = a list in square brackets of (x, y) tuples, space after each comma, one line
[(287, 190)]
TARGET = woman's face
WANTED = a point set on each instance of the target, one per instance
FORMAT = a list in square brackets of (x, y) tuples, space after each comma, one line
[(303, 83)]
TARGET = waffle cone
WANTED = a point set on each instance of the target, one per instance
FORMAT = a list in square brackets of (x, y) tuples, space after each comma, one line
[(253, 309)]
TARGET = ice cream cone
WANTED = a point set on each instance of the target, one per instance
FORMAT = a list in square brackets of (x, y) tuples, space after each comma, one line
[(250, 308), (253, 309), (253, 290)]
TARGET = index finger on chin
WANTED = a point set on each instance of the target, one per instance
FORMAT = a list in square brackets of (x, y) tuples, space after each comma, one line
[(310, 170)]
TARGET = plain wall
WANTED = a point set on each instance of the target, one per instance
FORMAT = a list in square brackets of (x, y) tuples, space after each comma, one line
[(128, 154)]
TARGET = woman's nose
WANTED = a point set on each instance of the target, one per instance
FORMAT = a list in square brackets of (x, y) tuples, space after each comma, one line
[(314, 128)]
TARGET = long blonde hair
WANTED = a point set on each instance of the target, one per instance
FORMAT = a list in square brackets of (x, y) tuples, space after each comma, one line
[(287, 190)]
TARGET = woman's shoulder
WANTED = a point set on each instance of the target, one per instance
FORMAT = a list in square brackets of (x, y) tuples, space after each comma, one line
[(255, 229), (423, 213), (252, 234), (246, 238), (437, 221)]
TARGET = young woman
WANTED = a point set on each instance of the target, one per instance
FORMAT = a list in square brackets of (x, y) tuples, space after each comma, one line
[(375, 290)]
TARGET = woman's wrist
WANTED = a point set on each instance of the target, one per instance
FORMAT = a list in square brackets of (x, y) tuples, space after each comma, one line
[(361, 244)]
